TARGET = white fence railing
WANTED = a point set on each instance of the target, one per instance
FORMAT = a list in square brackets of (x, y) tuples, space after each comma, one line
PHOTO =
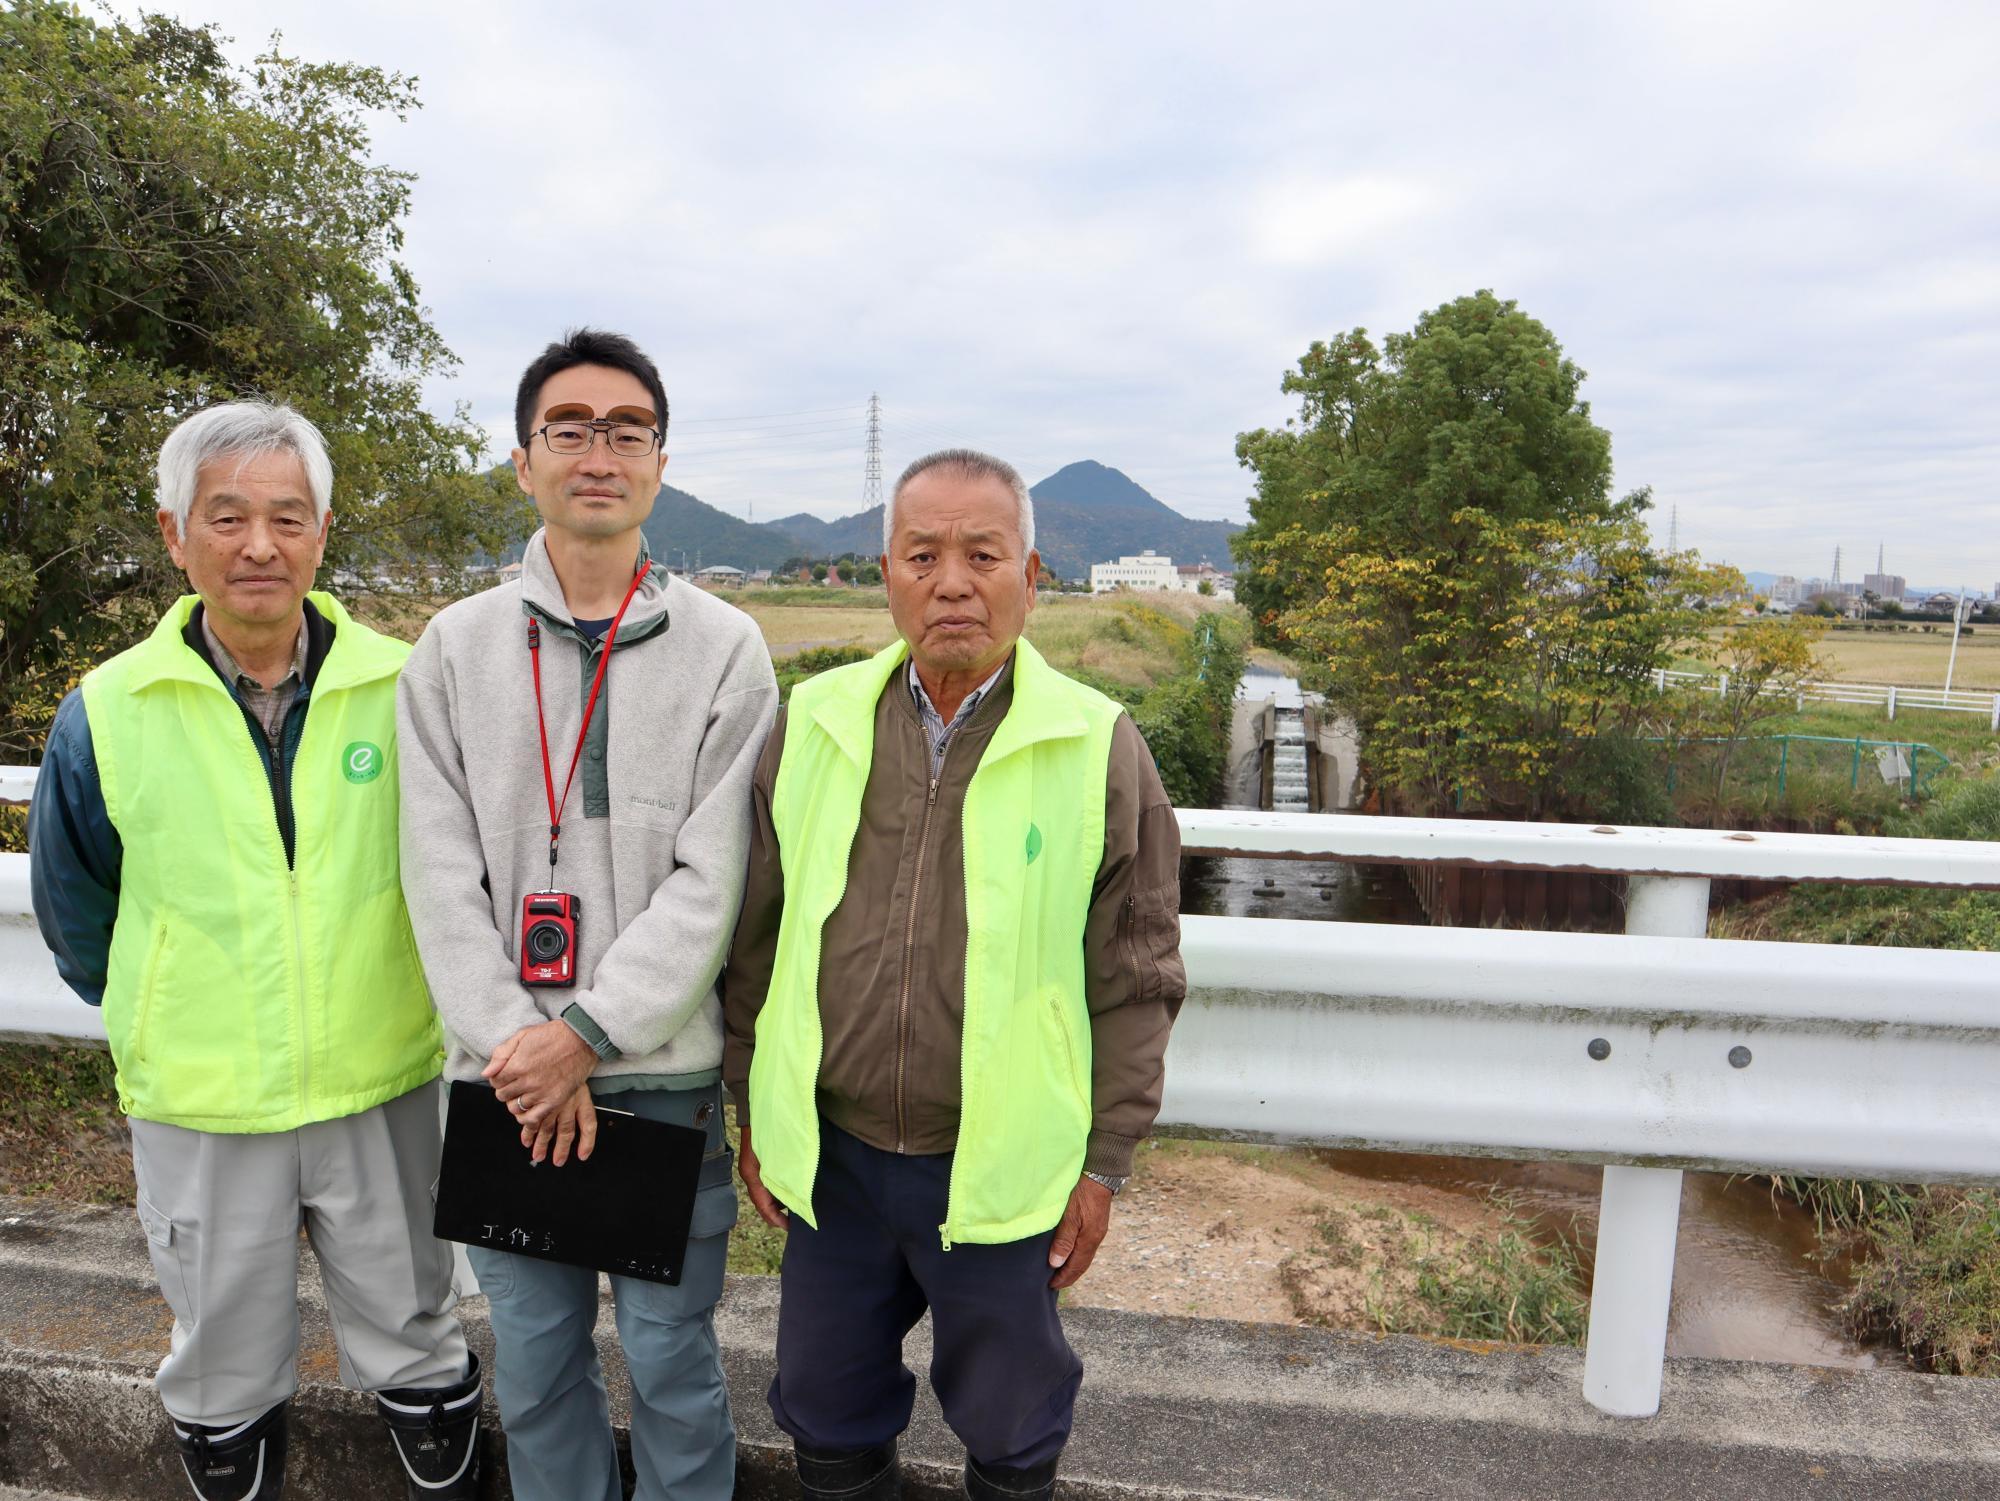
[(1885, 696), (1649, 1052)]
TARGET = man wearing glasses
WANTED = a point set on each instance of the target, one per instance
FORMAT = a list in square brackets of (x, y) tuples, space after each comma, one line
[(652, 752)]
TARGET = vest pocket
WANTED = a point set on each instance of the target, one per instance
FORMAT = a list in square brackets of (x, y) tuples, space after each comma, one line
[(149, 984), (1078, 1077)]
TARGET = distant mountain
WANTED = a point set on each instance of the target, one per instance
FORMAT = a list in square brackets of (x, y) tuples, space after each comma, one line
[(682, 524), (1084, 513), (860, 533), (1087, 513)]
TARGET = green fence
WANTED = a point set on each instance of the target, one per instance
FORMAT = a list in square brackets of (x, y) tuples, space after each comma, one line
[(1774, 761)]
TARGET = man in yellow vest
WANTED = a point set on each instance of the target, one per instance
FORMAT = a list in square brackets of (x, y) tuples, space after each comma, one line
[(947, 1003), (214, 860)]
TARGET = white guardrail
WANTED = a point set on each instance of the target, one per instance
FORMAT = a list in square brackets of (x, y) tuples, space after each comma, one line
[(1650, 1052), (1885, 696)]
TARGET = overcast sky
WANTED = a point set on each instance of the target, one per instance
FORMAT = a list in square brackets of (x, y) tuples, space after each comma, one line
[(1770, 233)]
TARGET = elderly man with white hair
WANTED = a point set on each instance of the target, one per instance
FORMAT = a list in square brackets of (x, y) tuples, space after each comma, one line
[(948, 1003), (214, 861)]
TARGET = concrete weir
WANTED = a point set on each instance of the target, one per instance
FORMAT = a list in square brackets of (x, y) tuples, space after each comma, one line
[(1172, 1407)]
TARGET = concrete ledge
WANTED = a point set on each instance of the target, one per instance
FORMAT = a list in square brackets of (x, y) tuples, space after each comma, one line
[(1172, 1407)]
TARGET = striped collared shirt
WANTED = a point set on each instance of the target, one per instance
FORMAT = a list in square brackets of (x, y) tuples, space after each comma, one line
[(937, 734), (268, 706)]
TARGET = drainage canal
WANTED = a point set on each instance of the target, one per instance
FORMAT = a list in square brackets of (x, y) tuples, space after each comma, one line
[(1749, 1283)]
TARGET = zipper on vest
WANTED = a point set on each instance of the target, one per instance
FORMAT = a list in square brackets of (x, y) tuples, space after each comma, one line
[(964, 1091), (299, 960), (910, 956)]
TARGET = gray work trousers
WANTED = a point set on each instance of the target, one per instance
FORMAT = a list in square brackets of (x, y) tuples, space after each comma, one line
[(546, 1374), (222, 1214)]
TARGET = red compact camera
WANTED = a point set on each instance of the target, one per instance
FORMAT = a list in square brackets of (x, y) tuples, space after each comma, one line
[(548, 937)]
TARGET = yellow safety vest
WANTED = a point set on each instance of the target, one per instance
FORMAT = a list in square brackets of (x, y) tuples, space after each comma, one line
[(244, 995), (1033, 841)]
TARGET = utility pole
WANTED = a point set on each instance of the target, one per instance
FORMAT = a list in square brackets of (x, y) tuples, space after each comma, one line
[(1957, 619), (871, 474)]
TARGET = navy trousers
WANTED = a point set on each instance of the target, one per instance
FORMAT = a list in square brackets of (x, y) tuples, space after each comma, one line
[(852, 1289)]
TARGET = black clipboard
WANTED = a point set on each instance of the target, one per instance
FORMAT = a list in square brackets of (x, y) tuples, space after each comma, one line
[(626, 1210)]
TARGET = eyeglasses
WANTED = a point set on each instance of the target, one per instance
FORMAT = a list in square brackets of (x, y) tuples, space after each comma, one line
[(627, 440)]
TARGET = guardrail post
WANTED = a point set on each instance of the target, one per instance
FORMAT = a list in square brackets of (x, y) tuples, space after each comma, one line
[(1639, 1214), (1993, 724), (1892, 703)]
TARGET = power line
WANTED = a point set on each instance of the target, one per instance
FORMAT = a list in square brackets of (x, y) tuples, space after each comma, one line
[(770, 416)]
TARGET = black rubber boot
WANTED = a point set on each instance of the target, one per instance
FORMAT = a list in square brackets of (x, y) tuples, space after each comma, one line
[(436, 1433), (245, 1462), (1003, 1483), (849, 1474)]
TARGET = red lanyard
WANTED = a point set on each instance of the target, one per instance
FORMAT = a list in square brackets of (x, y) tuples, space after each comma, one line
[(597, 682)]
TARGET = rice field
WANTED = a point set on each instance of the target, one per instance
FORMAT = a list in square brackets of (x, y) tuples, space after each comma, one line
[(1912, 658)]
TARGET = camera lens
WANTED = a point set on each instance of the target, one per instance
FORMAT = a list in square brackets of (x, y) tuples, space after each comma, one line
[(546, 942)]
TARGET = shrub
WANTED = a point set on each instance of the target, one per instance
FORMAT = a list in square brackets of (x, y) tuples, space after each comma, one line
[(1933, 1277), (1186, 719), (811, 662)]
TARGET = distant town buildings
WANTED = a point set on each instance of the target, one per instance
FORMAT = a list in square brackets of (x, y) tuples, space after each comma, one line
[(720, 576), (1884, 585), (1151, 570), (1191, 576)]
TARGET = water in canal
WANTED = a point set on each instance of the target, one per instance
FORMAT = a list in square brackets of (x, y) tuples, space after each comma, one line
[(1748, 1284)]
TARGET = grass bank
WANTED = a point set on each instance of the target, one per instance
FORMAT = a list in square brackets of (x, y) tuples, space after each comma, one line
[(1926, 1260), (1819, 769)]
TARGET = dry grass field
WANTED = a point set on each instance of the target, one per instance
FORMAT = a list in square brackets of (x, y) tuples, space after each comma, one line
[(1911, 658), (1097, 633), (1072, 631)]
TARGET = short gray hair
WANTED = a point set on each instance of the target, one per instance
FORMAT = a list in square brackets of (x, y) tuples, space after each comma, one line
[(247, 429), (972, 464)]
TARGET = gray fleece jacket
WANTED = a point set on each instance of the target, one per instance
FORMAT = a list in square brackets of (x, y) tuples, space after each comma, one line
[(654, 837)]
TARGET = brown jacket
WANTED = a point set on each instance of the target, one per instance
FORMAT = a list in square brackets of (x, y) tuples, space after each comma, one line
[(892, 956)]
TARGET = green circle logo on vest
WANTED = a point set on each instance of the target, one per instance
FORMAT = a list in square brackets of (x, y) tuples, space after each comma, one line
[(361, 761)]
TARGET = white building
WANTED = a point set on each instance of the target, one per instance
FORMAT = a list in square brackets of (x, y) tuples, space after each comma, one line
[(1884, 585), (1147, 571), (1191, 576)]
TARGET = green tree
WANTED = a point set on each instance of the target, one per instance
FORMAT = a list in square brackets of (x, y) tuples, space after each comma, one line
[(175, 231), (1435, 532), (1472, 417)]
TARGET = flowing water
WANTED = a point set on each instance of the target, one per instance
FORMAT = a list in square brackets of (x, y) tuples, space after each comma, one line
[(1748, 1281)]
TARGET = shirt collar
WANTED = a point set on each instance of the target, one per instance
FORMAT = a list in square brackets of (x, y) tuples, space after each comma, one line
[(233, 673), (922, 698)]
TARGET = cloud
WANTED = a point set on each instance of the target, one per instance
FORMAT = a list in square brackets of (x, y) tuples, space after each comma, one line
[(1303, 221), (1105, 232)]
